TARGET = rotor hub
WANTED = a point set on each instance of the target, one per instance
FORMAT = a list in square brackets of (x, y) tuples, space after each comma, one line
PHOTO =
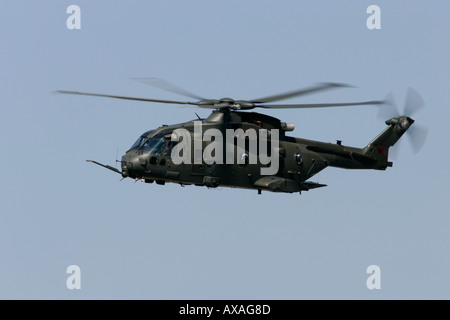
[(405, 122)]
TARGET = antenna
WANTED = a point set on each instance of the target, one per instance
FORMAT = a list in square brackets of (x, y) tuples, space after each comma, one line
[(117, 155)]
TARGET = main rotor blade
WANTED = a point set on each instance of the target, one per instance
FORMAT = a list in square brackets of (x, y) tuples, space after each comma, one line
[(319, 87), (164, 85), (413, 102), (317, 105), (214, 106), (124, 97)]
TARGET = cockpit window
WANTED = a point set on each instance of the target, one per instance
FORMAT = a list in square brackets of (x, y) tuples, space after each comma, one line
[(139, 142), (156, 144), (153, 145), (142, 139)]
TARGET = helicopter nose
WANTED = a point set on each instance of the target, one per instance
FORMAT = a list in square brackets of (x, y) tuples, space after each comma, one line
[(130, 166), (124, 161)]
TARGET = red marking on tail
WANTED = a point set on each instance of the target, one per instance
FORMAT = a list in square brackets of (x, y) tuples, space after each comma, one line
[(380, 149)]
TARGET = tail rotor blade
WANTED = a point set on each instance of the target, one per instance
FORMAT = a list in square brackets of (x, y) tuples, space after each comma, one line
[(388, 110), (413, 102), (417, 135), (394, 151)]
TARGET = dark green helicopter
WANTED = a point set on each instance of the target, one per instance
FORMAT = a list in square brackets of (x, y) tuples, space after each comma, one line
[(238, 149)]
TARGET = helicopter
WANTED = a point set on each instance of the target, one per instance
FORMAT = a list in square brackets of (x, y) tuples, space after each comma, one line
[(236, 148)]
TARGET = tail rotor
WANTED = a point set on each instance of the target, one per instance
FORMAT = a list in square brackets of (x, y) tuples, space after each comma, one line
[(413, 103)]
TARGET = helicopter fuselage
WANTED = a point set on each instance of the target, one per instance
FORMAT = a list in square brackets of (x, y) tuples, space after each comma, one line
[(151, 157)]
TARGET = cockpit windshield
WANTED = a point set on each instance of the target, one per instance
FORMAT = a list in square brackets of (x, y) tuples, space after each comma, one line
[(141, 140), (153, 145)]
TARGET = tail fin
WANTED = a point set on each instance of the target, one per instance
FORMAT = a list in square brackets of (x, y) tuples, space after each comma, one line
[(378, 148)]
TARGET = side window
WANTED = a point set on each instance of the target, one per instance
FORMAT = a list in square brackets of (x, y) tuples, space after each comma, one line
[(159, 147), (168, 147)]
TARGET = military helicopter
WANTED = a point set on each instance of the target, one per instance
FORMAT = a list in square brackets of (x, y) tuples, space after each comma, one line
[(257, 154)]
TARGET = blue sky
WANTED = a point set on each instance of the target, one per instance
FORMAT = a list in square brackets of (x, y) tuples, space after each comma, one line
[(139, 241)]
